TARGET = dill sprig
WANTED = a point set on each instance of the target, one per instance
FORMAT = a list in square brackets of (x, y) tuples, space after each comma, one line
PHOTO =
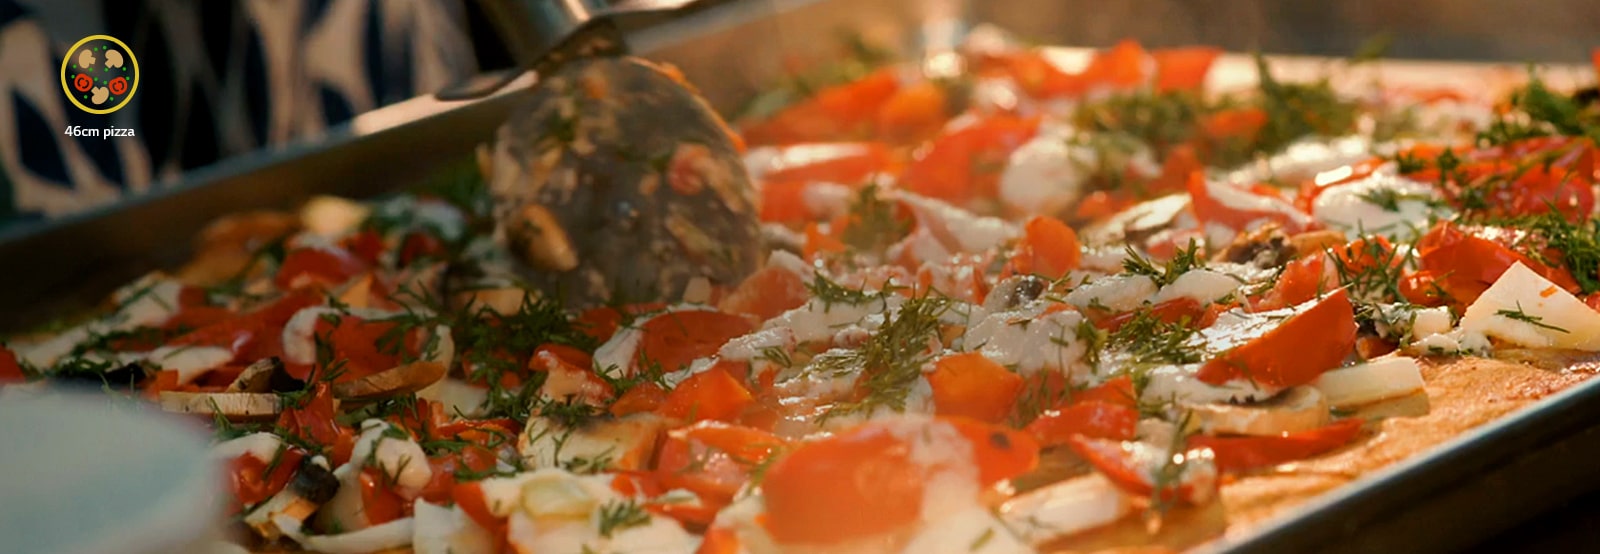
[(874, 224), (1153, 341), (891, 360), (1184, 260), (1536, 321), (621, 514), (1372, 271)]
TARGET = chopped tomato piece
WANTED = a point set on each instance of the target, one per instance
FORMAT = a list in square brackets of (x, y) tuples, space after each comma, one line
[(472, 457), (313, 419), (1237, 207), (1315, 338), (378, 503), (1116, 390), (1183, 68), (914, 113), (1178, 310), (971, 385), (862, 481), (1121, 67), (1049, 248), (325, 266), (254, 480), (1117, 462), (1035, 74), (710, 394), (719, 540), (1301, 281), (469, 496), (1241, 124), (1236, 454), (844, 163), (820, 241), (967, 162), (841, 112), (851, 485), (713, 459), (1099, 420), (765, 294), (1464, 261), (643, 397), (10, 370), (674, 339)]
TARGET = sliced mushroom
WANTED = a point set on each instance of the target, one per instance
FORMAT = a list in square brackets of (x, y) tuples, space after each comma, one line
[(402, 379), (1015, 291), (1297, 409), (236, 406), (1266, 246), (266, 375), (313, 484)]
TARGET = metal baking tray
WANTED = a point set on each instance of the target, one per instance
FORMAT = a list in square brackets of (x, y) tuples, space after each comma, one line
[(1460, 493)]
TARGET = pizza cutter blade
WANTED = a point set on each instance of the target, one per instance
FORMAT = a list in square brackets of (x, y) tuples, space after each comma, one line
[(614, 182)]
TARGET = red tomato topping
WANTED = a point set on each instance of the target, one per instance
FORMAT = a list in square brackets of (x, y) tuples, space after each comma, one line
[(329, 266), (966, 163), (1113, 459), (1464, 261), (1099, 420), (1049, 248), (713, 459), (1183, 68), (1316, 337), (379, 504), (1238, 207), (765, 294), (252, 482), (674, 339), (842, 112), (710, 394), (971, 385), (10, 370), (1235, 454)]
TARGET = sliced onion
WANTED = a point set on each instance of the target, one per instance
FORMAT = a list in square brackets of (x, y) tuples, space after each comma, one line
[(1297, 409)]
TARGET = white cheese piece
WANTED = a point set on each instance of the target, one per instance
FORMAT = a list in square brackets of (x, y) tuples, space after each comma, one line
[(1118, 293), (752, 346), (1027, 341), (623, 443), (1202, 285), (1178, 385), (1378, 379), (261, 446), (1237, 198), (148, 302), (447, 530), (190, 361), (400, 459), (1362, 205), (1046, 172), (457, 396), (578, 531), (959, 229), (1524, 308), (1065, 508), (1430, 321), (1308, 157), (818, 319)]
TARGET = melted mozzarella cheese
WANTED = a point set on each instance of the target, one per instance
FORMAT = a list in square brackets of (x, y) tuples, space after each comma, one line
[(1351, 206), (973, 530), (261, 446), (1202, 285), (1118, 293), (819, 319), (624, 443), (400, 459), (1237, 198), (960, 229), (1179, 384), (1028, 340)]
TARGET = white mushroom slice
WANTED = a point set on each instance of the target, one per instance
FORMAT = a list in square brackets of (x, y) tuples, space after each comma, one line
[(1065, 508), (257, 377), (403, 379), (238, 406), (1378, 379), (1297, 409)]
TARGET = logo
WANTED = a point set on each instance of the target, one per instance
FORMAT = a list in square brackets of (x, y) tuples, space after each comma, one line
[(99, 74)]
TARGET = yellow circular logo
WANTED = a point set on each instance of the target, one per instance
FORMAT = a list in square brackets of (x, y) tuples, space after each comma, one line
[(99, 74)]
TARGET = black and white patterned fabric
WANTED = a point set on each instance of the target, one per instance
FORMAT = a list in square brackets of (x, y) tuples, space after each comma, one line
[(218, 78)]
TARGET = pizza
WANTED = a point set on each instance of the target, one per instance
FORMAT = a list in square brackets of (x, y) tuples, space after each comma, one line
[(1040, 305)]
